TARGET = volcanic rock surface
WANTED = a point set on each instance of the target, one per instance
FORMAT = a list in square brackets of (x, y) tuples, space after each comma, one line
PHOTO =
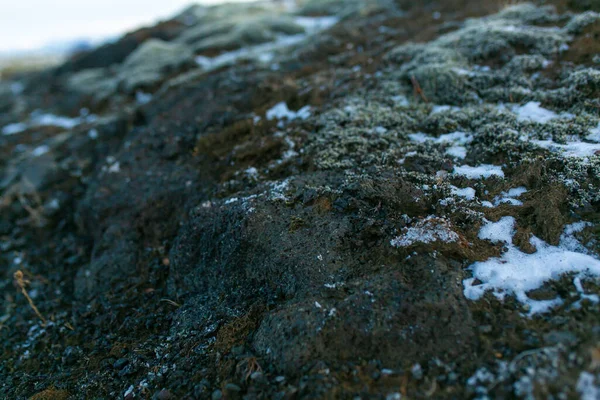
[(313, 199)]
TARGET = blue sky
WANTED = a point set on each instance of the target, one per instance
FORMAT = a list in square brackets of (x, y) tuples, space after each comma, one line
[(31, 24)]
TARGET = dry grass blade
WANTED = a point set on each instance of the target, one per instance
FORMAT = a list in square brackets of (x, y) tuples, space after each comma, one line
[(22, 283)]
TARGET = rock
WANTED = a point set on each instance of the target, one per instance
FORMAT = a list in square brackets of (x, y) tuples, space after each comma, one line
[(560, 337), (202, 243), (98, 84), (230, 35), (151, 63), (163, 395)]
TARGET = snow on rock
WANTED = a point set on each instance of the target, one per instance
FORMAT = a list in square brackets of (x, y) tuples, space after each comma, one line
[(55, 120), (517, 273), (44, 119), (281, 111), (40, 150), (482, 171), (594, 135), (13, 129), (570, 149), (262, 52), (315, 24), (401, 100), (443, 108), (428, 230), (533, 112)]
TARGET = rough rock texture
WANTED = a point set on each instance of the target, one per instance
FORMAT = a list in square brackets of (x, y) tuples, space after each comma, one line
[(288, 200)]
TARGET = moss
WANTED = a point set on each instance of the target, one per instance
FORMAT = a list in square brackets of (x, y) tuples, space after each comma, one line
[(580, 22), (51, 394), (231, 35)]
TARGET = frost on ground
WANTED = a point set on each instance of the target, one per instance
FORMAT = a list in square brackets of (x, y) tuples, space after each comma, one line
[(218, 211), (517, 273), (431, 229)]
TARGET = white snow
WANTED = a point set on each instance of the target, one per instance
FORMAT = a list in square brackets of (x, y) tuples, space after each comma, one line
[(594, 135), (571, 149), (510, 197), (438, 109), (401, 100), (142, 98), (262, 52), (129, 391), (457, 151), (40, 150), (515, 272), (13, 129), (55, 120), (315, 24), (428, 230), (481, 171), (281, 111), (533, 112), (44, 119), (466, 193), (114, 168), (587, 387)]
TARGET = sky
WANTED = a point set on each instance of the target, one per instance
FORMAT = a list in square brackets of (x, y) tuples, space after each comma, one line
[(31, 24)]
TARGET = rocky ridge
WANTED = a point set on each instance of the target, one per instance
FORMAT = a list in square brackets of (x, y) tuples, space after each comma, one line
[(338, 199)]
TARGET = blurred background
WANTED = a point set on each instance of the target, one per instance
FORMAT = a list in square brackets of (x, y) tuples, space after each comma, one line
[(34, 32)]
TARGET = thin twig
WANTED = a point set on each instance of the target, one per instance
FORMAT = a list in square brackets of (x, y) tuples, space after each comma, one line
[(417, 88)]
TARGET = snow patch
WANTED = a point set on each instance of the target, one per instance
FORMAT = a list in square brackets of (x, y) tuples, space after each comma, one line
[(515, 272), (46, 119), (594, 135), (586, 386), (467, 193), (55, 120), (570, 149), (401, 100), (40, 150), (439, 109), (281, 111), (482, 171), (533, 112), (13, 129), (508, 197)]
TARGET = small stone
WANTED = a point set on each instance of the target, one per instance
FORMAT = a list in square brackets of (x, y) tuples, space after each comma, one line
[(232, 387), (560, 337), (417, 371), (120, 363), (217, 395), (257, 376), (162, 395)]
